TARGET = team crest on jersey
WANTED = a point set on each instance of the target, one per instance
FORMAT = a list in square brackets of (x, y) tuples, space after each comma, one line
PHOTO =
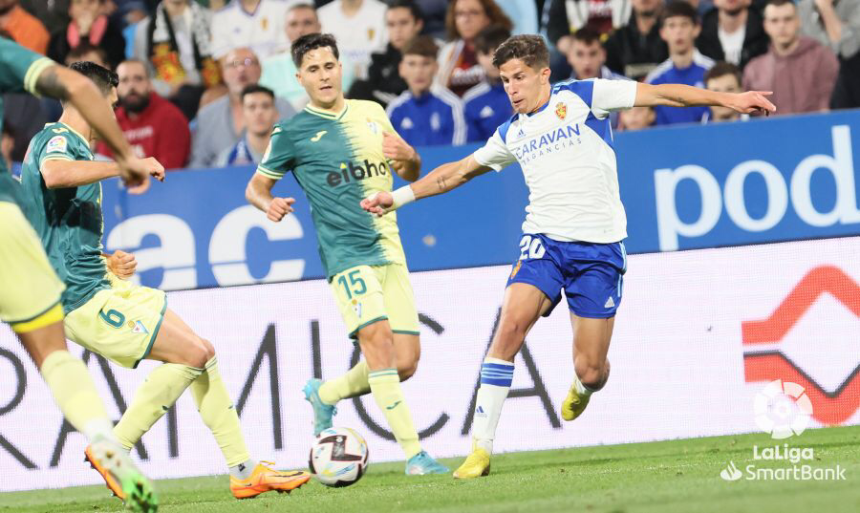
[(561, 111), (373, 126), (57, 144), (356, 307), (139, 328), (370, 33)]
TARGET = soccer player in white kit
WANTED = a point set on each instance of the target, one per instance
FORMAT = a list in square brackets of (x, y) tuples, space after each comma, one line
[(575, 222)]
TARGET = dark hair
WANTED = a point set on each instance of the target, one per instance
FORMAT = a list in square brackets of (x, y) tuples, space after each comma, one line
[(302, 5), (309, 42), (103, 78), (424, 46), (587, 36), (680, 8), (491, 9), (530, 49), (414, 9), (490, 38), (780, 3), (722, 69), (85, 48), (256, 88)]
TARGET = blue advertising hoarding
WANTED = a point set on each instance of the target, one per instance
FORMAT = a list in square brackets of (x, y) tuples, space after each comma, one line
[(683, 188)]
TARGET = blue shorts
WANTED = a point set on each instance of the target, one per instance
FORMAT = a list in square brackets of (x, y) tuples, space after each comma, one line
[(591, 275)]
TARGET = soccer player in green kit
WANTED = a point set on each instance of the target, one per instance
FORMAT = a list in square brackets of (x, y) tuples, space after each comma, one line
[(30, 290), (340, 152)]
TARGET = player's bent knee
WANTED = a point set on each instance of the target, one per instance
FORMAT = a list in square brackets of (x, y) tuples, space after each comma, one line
[(407, 370), (593, 375)]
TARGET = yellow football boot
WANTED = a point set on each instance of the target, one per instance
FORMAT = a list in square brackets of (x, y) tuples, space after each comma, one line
[(266, 479), (574, 404), (477, 464)]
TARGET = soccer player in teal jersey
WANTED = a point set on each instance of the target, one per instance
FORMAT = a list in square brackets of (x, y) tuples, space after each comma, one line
[(29, 289), (341, 151), (112, 317)]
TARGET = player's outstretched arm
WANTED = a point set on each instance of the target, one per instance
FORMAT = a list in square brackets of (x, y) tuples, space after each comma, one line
[(259, 194), (678, 95), (404, 159), (439, 181), (60, 174)]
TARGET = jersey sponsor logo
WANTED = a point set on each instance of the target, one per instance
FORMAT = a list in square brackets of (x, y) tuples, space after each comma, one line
[(349, 172), (561, 110), (556, 140), (57, 144), (319, 135)]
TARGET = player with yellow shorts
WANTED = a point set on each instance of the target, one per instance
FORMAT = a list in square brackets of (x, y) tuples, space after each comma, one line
[(61, 189), (30, 291), (341, 151)]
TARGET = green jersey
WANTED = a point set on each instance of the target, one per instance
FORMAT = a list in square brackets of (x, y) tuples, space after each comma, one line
[(337, 160), (68, 220), (19, 70)]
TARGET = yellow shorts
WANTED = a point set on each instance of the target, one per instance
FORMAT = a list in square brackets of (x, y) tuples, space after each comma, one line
[(367, 294), (120, 323), (29, 288)]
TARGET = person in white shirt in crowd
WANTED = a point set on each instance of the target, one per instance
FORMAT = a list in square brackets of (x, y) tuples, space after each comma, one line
[(254, 24), (279, 71), (260, 114), (220, 124), (359, 28)]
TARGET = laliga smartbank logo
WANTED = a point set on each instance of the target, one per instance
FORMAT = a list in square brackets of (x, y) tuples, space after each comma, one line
[(782, 410)]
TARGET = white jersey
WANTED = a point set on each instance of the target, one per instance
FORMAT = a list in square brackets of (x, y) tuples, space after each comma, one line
[(566, 154), (263, 30), (358, 36)]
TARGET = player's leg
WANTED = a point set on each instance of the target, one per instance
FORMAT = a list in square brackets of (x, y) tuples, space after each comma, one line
[(190, 362), (30, 302), (400, 306), (593, 297), (533, 289)]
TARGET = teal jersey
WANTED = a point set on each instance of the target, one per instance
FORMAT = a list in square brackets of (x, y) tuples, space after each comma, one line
[(68, 220), (338, 161), (19, 70)]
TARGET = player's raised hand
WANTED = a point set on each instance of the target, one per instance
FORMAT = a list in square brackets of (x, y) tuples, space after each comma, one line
[(752, 101), (122, 264), (378, 204), (279, 207)]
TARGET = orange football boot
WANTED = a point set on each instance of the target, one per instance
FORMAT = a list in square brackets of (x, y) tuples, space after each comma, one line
[(266, 479)]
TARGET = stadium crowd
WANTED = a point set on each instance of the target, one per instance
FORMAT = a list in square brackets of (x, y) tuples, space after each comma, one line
[(202, 82)]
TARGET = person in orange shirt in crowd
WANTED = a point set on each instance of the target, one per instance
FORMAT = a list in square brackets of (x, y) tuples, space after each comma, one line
[(24, 28)]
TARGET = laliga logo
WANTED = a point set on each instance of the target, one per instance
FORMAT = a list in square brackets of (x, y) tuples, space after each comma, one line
[(782, 409)]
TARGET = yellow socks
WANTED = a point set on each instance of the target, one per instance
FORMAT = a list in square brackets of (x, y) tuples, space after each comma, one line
[(75, 393), (154, 397), (385, 387), (218, 413), (352, 384)]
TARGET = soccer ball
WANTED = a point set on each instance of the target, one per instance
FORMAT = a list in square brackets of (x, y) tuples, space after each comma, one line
[(339, 457)]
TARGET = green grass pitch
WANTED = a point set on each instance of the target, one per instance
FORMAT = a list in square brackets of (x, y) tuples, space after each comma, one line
[(663, 477)]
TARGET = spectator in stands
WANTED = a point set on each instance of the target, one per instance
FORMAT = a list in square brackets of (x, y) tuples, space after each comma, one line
[(152, 125), (459, 69), (54, 14), (565, 17), (800, 71), (359, 27), (175, 43), (486, 105), (254, 24), (732, 32), (258, 109), (836, 23), (637, 48), (587, 57), (679, 28), (89, 25), (724, 77), (220, 123), (637, 118), (87, 52), (279, 71), (22, 27), (425, 114), (434, 12), (403, 20)]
